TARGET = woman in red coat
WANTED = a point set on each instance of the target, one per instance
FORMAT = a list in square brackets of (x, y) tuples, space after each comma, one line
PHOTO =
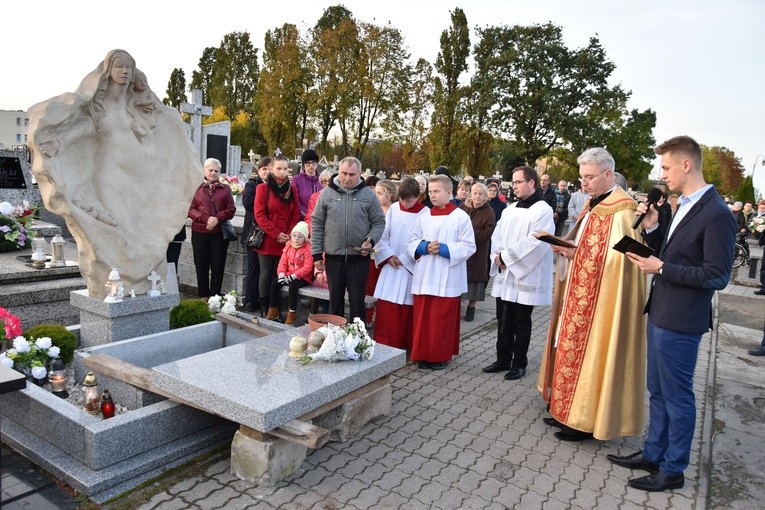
[(277, 212), (211, 205)]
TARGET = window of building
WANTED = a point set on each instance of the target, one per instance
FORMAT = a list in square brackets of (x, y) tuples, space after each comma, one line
[(18, 121), (18, 137), (26, 122), (25, 138)]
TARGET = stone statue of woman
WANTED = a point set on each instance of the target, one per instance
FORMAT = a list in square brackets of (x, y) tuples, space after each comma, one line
[(119, 167)]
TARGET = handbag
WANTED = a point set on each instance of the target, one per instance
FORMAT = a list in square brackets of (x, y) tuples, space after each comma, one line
[(227, 230), (256, 235), (255, 238)]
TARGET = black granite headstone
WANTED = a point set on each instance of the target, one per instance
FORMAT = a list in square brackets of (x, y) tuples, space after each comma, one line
[(217, 147), (11, 175)]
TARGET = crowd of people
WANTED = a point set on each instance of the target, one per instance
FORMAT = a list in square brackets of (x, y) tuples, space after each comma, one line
[(422, 246)]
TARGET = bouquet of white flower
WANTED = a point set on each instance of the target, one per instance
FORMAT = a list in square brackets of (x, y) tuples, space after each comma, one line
[(351, 342), (223, 304), (757, 224)]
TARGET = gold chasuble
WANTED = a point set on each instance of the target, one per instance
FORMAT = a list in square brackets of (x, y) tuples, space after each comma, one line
[(593, 368)]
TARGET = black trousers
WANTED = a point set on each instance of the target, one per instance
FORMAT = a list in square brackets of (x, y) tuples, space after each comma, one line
[(252, 282), (295, 286), (351, 276), (513, 333), (210, 260), (268, 266)]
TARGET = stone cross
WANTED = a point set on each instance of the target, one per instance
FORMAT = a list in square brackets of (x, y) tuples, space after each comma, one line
[(197, 111), (153, 278), (497, 176), (252, 155)]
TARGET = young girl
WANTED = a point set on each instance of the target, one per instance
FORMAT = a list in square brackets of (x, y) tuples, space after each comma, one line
[(295, 269)]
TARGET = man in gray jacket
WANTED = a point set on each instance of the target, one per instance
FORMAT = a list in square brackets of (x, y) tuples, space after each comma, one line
[(346, 223)]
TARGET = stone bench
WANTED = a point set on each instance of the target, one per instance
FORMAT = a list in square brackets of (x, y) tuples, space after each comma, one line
[(313, 291)]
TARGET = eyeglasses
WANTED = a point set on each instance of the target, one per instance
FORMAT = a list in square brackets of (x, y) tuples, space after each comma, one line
[(587, 178), (518, 183), (324, 181)]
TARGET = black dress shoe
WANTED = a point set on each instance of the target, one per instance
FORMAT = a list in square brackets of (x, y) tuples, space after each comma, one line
[(496, 367), (575, 437), (515, 373), (657, 482), (552, 422), (760, 292), (760, 351), (470, 314), (634, 461), (433, 365)]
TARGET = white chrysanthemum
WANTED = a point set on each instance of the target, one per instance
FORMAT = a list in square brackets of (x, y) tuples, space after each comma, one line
[(20, 344), (54, 352), (214, 303), (5, 208), (231, 299), (5, 360), (39, 372), (228, 308), (43, 342)]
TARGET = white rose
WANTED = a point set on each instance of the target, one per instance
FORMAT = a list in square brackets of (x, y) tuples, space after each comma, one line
[(20, 344), (43, 342), (39, 372), (5, 208)]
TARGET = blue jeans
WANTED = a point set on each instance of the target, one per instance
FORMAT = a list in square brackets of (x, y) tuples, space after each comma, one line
[(671, 361)]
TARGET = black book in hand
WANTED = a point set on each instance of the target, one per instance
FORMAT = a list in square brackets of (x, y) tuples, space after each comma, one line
[(551, 239), (630, 245)]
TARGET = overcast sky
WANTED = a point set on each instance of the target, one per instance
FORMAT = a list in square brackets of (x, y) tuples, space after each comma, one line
[(698, 63)]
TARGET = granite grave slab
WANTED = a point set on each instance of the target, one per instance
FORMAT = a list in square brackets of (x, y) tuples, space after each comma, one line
[(262, 387)]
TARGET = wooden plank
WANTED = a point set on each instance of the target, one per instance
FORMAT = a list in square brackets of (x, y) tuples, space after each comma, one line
[(247, 326), (296, 431), (364, 390)]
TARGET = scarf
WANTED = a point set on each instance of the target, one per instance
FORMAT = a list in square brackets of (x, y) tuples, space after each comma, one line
[(283, 191)]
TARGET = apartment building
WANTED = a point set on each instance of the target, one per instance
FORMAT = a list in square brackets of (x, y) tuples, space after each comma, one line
[(13, 128)]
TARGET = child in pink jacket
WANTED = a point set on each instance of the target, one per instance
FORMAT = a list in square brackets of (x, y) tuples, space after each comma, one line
[(295, 269)]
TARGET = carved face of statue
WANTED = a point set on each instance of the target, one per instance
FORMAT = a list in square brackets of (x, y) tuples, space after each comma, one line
[(122, 70)]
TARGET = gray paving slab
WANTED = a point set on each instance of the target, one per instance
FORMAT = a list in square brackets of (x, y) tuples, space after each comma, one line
[(463, 439)]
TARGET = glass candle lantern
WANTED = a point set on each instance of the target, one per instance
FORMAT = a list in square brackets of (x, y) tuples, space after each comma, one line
[(57, 378), (90, 392), (107, 405), (38, 252), (57, 251)]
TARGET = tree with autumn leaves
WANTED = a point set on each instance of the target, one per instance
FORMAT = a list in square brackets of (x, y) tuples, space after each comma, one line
[(518, 94)]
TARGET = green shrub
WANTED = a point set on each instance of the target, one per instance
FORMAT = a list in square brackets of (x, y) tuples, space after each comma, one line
[(61, 337), (188, 313)]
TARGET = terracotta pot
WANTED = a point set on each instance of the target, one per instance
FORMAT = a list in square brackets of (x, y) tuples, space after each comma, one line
[(318, 320)]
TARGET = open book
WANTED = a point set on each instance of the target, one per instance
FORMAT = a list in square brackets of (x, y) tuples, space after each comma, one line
[(551, 239), (630, 245)]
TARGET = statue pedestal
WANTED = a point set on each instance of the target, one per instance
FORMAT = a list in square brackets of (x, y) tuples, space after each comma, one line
[(102, 323)]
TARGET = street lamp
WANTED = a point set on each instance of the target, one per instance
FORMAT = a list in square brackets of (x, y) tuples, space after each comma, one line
[(754, 167)]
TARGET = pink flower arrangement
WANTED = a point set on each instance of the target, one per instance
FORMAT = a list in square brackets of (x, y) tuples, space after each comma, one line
[(233, 182), (11, 324)]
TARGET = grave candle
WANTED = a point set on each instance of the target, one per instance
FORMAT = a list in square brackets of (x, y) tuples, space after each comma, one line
[(90, 391), (107, 405), (57, 378)]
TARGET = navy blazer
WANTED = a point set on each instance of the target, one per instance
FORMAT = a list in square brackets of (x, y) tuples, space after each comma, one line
[(697, 261)]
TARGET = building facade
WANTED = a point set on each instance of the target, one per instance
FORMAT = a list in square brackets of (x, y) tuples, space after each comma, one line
[(13, 128)]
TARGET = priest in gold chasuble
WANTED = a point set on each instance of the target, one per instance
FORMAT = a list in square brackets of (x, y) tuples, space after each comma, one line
[(593, 367)]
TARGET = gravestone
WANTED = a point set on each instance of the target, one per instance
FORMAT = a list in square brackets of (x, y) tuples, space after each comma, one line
[(16, 179)]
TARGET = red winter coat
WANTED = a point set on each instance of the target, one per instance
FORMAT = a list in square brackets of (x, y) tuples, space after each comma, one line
[(202, 207), (281, 218), (297, 261)]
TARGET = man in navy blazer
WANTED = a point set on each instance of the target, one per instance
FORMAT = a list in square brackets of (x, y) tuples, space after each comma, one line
[(695, 257)]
